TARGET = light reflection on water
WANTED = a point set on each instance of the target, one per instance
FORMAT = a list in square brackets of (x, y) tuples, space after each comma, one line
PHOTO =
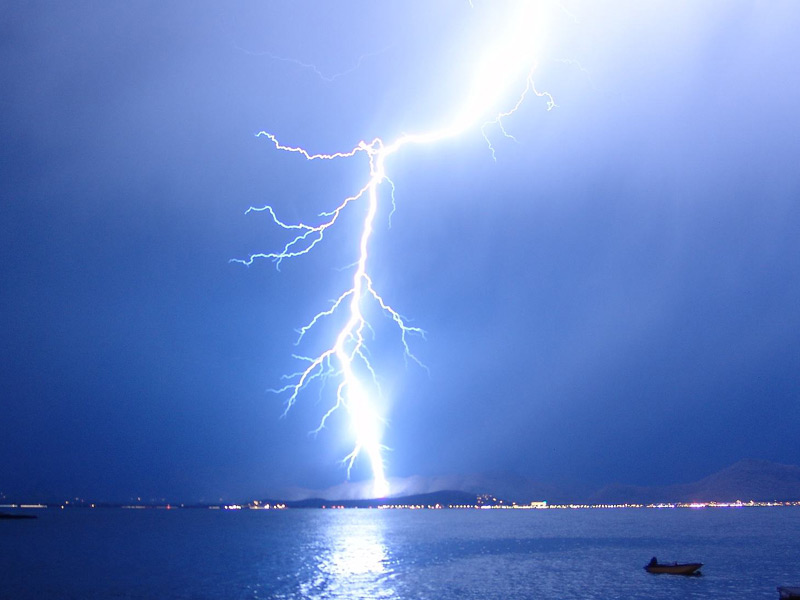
[(470, 555), (352, 559)]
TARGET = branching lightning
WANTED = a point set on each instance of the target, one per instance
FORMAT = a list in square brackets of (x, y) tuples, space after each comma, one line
[(346, 360)]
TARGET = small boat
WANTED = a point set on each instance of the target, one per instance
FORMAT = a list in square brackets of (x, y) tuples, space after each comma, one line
[(16, 516), (673, 568), (788, 593)]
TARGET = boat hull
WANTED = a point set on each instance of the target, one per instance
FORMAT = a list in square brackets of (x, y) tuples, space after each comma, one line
[(675, 569), (16, 516)]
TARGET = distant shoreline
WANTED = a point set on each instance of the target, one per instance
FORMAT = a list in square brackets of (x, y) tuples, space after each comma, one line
[(389, 504)]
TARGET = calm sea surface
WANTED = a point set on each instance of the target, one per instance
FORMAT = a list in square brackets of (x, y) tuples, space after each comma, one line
[(559, 554)]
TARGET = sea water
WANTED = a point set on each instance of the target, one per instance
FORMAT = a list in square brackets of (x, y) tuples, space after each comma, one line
[(92, 554)]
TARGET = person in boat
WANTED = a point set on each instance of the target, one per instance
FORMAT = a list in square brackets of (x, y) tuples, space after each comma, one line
[(653, 562)]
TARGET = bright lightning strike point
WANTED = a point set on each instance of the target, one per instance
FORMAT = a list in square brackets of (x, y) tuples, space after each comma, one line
[(510, 63)]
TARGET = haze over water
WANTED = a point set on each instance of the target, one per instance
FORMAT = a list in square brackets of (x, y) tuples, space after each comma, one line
[(400, 554)]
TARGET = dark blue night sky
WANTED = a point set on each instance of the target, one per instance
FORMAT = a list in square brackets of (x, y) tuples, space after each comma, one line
[(615, 299)]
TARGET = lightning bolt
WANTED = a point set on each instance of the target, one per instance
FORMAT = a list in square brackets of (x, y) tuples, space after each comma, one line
[(346, 360), (313, 68)]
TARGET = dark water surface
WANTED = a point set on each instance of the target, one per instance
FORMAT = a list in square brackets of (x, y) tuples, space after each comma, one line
[(464, 554)]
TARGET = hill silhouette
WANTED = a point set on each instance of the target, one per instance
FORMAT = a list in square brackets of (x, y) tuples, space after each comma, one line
[(443, 498), (745, 480)]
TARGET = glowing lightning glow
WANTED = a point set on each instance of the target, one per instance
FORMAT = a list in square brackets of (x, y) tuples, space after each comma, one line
[(347, 358)]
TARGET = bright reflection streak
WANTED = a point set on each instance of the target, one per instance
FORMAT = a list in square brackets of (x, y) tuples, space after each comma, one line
[(506, 66), (353, 562)]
